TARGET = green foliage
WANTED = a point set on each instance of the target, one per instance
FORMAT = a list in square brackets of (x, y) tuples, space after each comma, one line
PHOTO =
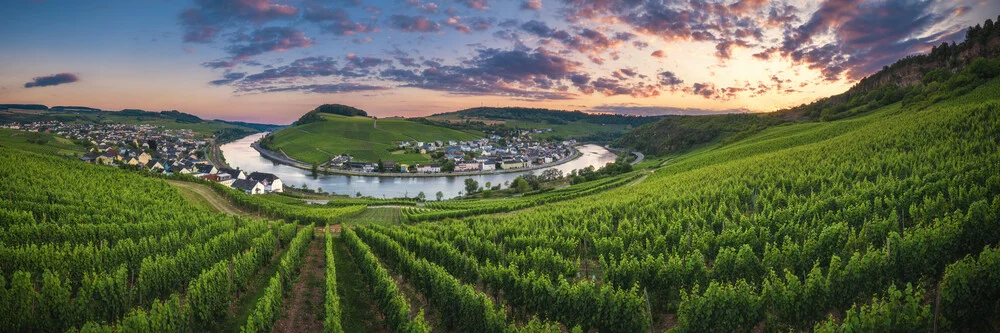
[(681, 133), (331, 321)]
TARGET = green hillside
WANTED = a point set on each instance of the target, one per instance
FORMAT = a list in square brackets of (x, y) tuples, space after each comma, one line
[(223, 130), (318, 141), (794, 227), (564, 124), (42, 143)]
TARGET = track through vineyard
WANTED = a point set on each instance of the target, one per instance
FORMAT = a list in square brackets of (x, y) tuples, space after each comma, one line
[(213, 198), (303, 307)]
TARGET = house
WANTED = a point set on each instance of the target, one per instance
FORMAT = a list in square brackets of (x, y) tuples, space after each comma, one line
[(88, 157), (205, 169), (404, 168), (429, 168), (144, 158), (249, 186), (233, 173), (153, 165), (513, 163), (487, 166), (271, 182), (467, 166), (105, 159), (389, 166)]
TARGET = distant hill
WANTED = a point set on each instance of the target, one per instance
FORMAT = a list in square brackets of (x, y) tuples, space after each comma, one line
[(23, 106), (564, 124), (74, 108), (333, 134), (948, 71), (338, 109)]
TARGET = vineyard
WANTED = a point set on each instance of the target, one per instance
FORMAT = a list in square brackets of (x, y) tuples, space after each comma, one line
[(881, 222)]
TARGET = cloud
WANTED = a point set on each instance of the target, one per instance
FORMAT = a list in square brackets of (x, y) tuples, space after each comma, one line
[(203, 22), (658, 54), (413, 23), (476, 4), (52, 80), (612, 87), (531, 5), (335, 21), (228, 78), (668, 79), (329, 88), (525, 74), (268, 39), (854, 38)]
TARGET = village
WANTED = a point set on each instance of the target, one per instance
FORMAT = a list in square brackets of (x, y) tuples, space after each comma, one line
[(484, 155), (154, 149)]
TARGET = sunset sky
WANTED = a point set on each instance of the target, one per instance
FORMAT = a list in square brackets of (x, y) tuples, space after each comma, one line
[(272, 60)]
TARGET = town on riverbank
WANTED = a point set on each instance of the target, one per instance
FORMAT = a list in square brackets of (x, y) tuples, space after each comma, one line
[(154, 149), (491, 155)]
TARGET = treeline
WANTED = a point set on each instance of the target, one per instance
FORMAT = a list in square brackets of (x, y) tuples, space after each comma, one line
[(338, 109), (554, 117)]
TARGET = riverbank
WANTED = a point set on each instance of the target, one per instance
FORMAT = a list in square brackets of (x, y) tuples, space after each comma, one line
[(281, 158)]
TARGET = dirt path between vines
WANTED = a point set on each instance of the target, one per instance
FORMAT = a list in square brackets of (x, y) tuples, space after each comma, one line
[(214, 199), (303, 310)]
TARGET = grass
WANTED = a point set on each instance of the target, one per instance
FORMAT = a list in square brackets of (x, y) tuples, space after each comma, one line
[(317, 142), (196, 199), (357, 314), (55, 145), (385, 216)]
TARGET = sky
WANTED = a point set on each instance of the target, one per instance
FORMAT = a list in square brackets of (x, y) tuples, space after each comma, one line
[(271, 61)]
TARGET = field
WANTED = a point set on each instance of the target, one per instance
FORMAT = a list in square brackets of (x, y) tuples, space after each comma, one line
[(317, 142), (48, 144)]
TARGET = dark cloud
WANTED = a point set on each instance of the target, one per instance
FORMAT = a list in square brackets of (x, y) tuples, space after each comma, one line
[(658, 54), (228, 78), (709, 91), (329, 88), (336, 21), (413, 23), (203, 22), (355, 61), (612, 87), (531, 5), (865, 35), (52, 80), (534, 74), (268, 39), (668, 79), (537, 28)]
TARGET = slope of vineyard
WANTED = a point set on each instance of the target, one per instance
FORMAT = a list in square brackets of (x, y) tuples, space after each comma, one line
[(849, 225), (101, 249)]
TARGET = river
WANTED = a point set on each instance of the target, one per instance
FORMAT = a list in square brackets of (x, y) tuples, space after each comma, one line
[(239, 154)]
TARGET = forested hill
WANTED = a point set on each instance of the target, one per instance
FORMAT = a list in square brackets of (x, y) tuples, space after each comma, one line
[(338, 109), (555, 117), (948, 71)]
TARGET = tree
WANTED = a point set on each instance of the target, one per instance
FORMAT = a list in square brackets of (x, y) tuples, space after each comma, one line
[(448, 166), (421, 196), (521, 186), (358, 194), (439, 195), (315, 170), (471, 186)]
